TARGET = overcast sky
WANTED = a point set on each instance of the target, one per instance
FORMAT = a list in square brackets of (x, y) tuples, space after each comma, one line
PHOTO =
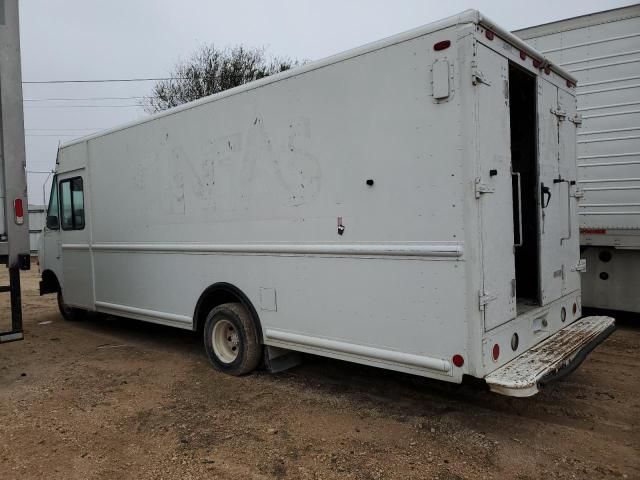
[(109, 39)]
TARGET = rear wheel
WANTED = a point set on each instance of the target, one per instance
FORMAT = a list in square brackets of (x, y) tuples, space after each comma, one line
[(68, 313), (231, 340)]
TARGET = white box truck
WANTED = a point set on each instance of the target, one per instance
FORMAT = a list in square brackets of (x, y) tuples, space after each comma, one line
[(14, 223), (603, 51), (410, 204)]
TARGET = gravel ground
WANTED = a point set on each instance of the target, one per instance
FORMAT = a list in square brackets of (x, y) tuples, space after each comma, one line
[(114, 398)]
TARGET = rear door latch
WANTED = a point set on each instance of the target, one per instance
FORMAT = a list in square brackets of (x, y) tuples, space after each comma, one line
[(481, 188), (581, 266)]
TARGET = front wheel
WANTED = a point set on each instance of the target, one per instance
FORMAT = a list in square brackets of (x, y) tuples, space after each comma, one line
[(68, 313), (231, 340)]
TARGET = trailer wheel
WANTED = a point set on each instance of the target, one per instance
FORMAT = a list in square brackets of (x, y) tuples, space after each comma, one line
[(68, 313), (231, 341)]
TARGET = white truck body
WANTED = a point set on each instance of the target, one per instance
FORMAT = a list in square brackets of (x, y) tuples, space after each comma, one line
[(363, 207), (603, 51)]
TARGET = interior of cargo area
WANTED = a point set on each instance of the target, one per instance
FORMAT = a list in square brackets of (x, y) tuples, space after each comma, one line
[(524, 170)]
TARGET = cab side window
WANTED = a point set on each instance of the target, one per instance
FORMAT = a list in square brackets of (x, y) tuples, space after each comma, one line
[(72, 204), (52, 210)]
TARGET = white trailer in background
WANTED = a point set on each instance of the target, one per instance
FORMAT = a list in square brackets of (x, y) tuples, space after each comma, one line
[(400, 205), (37, 219), (14, 222), (603, 51)]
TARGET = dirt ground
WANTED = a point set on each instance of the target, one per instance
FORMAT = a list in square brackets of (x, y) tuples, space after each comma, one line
[(110, 398)]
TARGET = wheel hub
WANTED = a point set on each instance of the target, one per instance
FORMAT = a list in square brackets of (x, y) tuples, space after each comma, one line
[(226, 341)]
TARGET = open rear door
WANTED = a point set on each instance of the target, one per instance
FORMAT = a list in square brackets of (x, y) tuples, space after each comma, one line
[(559, 235), (493, 185), (569, 173)]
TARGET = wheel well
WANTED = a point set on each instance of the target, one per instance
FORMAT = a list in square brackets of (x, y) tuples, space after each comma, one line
[(49, 283), (220, 293)]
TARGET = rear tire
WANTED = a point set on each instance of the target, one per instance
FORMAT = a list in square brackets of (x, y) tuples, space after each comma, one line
[(231, 340), (70, 314)]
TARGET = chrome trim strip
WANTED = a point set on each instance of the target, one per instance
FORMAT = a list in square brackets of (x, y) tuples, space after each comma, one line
[(440, 249), (125, 309), (420, 361)]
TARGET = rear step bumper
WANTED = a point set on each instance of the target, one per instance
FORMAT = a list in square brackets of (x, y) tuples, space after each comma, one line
[(551, 359)]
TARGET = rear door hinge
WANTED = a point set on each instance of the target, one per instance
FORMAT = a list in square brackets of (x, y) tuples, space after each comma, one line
[(484, 298), (477, 76), (481, 188), (581, 266), (576, 119), (561, 114)]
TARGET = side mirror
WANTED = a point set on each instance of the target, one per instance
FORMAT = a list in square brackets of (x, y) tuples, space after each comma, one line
[(52, 222)]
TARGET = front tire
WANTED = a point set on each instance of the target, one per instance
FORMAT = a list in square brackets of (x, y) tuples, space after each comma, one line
[(231, 340), (70, 314)]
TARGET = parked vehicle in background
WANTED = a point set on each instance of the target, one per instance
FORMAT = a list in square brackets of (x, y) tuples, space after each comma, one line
[(37, 218), (603, 51), (14, 218), (399, 205)]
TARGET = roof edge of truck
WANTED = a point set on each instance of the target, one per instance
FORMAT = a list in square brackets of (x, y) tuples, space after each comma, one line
[(467, 16), (581, 21)]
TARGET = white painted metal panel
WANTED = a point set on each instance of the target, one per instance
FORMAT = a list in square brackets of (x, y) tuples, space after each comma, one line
[(78, 284), (553, 214), (569, 188), (359, 304), (494, 177), (558, 176), (301, 156)]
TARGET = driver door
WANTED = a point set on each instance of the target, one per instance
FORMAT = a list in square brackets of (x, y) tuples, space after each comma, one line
[(77, 270)]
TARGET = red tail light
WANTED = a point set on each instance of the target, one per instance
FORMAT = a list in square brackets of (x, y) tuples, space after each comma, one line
[(18, 210), (495, 353), (458, 360), (444, 44), (489, 34), (523, 55)]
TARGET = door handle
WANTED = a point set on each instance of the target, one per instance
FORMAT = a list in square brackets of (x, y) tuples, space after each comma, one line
[(517, 175), (568, 214), (544, 191)]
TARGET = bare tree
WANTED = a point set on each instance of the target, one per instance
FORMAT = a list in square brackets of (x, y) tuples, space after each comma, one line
[(211, 70)]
